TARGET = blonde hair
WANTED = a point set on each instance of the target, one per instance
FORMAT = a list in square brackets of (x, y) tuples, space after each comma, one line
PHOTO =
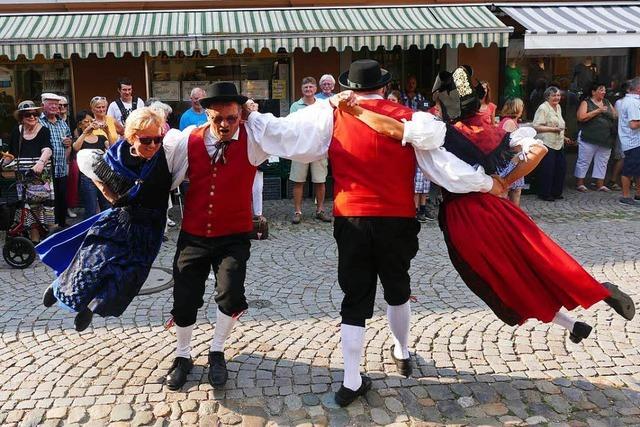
[(141, 119), (512, 108), (97, 99)]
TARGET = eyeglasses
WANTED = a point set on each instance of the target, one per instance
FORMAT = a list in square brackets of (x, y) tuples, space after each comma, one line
[(229, 119), (30, 114), (147, 140), (63, 105)]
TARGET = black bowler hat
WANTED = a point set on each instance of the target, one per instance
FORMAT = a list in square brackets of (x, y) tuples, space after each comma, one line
[(222, 92), (364, 74)]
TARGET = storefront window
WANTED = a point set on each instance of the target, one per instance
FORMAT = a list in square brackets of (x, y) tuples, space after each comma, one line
[(264, 78), (419, 63), (530, 72), (22, 81)]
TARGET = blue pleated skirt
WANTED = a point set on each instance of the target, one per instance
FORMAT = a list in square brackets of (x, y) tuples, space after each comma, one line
[(106, 258)]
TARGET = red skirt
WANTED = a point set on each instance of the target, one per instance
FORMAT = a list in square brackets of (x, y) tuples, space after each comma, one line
[(510, 263)]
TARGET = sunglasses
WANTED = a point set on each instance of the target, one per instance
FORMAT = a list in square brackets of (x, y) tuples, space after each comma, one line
[(30, 114), (229, 119), (63, 105), (98, 98), (147, 140)]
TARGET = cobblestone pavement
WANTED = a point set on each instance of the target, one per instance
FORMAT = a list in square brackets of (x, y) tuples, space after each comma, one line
[(285, 358)]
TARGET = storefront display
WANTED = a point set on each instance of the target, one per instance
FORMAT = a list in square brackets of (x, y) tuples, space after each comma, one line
[(28, 80), (264, 78)]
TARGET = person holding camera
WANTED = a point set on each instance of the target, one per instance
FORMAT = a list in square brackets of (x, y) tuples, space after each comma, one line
[(91, 196), (105, 125)]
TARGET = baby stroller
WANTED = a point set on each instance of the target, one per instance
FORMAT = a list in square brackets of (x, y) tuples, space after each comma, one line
[(18, 250)]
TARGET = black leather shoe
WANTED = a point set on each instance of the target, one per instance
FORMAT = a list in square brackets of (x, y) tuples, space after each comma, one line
[(218, 373), (177, 375), (83, 319), (580, 331), (48, 299), (345, 396), (404, 365), (620, 301)]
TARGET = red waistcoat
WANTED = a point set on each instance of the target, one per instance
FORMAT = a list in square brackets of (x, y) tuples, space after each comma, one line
[(218, 202), (373, 174)]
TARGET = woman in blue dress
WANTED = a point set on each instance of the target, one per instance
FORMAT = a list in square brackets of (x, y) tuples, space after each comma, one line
[(103, 261)]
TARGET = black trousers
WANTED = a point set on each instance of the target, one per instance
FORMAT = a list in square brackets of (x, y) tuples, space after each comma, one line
[(368, 248), (60, 200), (551, 172), (194, 259)]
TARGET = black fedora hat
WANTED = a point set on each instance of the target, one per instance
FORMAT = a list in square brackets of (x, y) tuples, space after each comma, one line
[(364, 74), (222, 92)]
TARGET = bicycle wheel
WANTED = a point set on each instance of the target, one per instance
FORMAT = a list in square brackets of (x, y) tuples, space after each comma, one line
[(18, 252)]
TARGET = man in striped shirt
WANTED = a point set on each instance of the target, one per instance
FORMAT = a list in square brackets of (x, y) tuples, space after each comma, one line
[(61, 144)]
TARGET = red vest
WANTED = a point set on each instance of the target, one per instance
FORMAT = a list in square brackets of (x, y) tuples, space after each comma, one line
[(218, 202), (373, 174)]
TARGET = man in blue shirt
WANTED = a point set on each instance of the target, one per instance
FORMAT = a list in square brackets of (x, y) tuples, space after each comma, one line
[(629, 134), (196, 114), (327, 83)]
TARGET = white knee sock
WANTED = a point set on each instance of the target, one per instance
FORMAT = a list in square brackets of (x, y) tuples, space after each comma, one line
[(352, 343), (224, 325), (399, 317), (564, 320), (183, 346)]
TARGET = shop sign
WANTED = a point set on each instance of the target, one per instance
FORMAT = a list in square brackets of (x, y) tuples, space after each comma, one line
[(256, 89), (166, 91), (188, 86), (278, 89)]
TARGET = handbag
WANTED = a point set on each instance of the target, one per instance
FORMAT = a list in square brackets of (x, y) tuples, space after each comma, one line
[(37, 193), (260, 229)]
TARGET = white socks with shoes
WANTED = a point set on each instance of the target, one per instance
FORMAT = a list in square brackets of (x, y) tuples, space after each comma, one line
[(564, 320), (399, 317), (183, 346), (352, 344), (224, 325)]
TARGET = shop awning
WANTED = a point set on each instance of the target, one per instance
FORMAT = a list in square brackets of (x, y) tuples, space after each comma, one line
[(256, 29), (578, 26)]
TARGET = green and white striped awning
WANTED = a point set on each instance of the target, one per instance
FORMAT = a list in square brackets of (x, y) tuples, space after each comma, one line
[(255, 29)]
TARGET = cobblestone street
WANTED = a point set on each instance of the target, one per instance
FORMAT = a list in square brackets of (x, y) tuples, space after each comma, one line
[(285, 358)]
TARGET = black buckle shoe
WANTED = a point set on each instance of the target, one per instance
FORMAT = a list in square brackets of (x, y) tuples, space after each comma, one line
[(404, 365), (218, 373), (620, 301), (48, 299), (177, 375), (83, 319), (345, 396), (580, 331)]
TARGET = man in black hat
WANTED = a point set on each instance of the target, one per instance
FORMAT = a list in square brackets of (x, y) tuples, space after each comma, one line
[(217, 219), (375, 226)]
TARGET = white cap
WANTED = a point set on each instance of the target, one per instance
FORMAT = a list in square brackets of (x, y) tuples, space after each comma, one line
[(50, 96)]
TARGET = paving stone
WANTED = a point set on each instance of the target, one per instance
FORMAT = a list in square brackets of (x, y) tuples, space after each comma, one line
[(310, 399), (33, 418), (535, 420), (57, 413), (293, 402), (77, 415), (142, 418), (161, 410), (466, 401), (380, 416), (122, 412)]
